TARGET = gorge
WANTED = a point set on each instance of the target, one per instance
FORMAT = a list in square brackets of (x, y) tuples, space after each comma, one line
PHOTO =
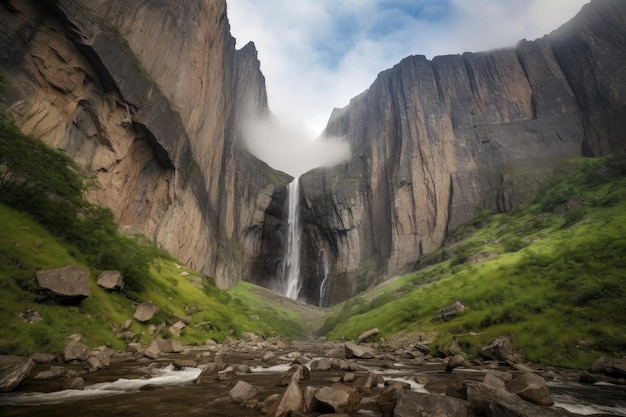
[(149, 98)]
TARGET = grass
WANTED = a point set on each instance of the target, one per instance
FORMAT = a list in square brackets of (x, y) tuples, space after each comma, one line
[(26, 247), (550, 275)]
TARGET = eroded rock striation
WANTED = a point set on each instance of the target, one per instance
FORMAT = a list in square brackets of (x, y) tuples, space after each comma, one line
[(147, 96), (435, 141)]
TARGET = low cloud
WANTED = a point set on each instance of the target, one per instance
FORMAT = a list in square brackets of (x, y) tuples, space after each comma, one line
[(289, 149)]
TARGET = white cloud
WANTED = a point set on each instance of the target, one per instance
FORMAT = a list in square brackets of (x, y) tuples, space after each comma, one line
[(318, 54)]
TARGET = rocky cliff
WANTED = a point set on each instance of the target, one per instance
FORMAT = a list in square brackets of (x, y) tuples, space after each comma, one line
[(436, 141), (147, 96)]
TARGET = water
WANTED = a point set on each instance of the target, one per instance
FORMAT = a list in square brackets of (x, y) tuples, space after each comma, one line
[(325, 285), (291, 263)]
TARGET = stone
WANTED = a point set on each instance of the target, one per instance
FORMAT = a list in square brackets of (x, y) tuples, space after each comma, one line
[(494, 381), (111, 280), (310, 403), (610, 366), (209, 373), (450, 311), (338, 399), (40, 358), (177, 327), (531, 387), (242, 391), (126, 325), (456, 361), (417, 404), (169, 345), (454, 348), (352, 350), (93, 364), (31, 316), (366, 335), (69, 284), (145, 311), (75, 351), (295, 373), (13, 370), (77, 383), (268, 356), (321, 365), (185, 363), (291, 400), (500, 349), (152, 351)]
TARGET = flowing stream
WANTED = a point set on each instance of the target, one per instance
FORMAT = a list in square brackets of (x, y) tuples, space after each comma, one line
[(325, 285), (291, 263)]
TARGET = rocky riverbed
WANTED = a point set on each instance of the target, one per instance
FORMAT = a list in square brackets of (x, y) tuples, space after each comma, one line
[(279, 377)]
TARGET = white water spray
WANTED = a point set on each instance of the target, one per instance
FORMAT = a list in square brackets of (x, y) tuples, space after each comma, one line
[(291, 262)]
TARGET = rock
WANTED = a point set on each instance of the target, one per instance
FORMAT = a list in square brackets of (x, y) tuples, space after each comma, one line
[(13, 370), (500, 349), (75, 351), (111, 280), (397, 384), (152, 351), (531, 387), (93, 364), (209, 373), (456, 361), (185, 363), (177, 327), (450, 311), (489, 401), (69, 284), (494, 381), (169, 345), (268, 356), (226, 376), (295, 373), (366, 335), (291, 400), (31, 316), (242, 391), (415, 404), (145, 311), (320, 365), (610, 366), (338, 399), (352, 350), (126, 325), (310, 403), (40, 358), (454, 348), (75, 383)]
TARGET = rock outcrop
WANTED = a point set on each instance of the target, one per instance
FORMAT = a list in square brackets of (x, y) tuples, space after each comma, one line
[(435, 141), (147, 97)]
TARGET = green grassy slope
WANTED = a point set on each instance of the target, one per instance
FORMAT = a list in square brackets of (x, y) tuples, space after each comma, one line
[(26, 247), (552, 275)]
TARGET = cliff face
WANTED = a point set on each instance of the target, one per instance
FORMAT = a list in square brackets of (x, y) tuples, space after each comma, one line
[(147, 96), (437, 141)]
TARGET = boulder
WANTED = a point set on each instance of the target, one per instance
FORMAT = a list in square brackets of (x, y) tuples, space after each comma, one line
[(489, 401), (13, 370), (169, 345), (75, 351), (111, 280), (145, 311), (531, 387), (69, 284), (500, 349), (456, 361), (40, 358), (126, 325), (494, 381), (352, 350), (610, 366), (77, 383), (177, 327), (185, 363), (291, 400), (242, 391), (320, 365), (412, 404), (209, 373), (449, 311), (295, 373), (366, 335), (338, 399), (310, 403)]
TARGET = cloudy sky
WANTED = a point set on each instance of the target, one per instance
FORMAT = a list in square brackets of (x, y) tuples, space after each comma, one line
[(318, 54)]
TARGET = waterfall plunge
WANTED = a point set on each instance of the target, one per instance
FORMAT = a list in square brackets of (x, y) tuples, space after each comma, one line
[(291, 262), (324, 286)]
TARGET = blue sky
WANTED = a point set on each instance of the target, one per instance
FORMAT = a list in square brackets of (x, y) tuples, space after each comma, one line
[(318, 54)]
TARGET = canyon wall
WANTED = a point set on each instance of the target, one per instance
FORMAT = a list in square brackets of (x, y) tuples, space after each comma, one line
[(146, 97), (437, 141)]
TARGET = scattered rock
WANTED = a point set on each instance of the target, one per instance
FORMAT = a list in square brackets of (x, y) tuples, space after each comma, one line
[(209, 373), (177, 328), (456, 361), (320, 365), (126, 325), (290, 401), (352, 350), (531, 387), (75, 351), (111, 280), (13, 370), (40, 358), (494, 381), (450, 311), (69, 284), (500, 349), (145, 312), (610, 366), (338, 399), (75, 383), (411, 404), (185, 363), (366, 335), (295, 373), (242, 391), (31, 316)]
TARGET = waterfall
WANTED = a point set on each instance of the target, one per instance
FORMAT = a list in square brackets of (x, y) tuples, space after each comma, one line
[(324, 287), (291, 261)]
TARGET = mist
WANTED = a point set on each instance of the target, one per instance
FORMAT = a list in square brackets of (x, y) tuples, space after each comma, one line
[(290, 148)]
